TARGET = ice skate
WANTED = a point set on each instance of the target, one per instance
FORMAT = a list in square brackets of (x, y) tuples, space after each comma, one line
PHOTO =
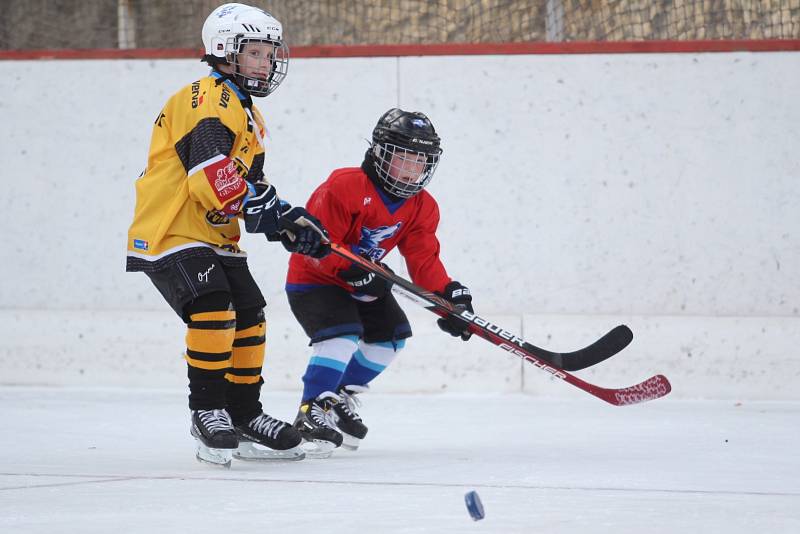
[(215, 435), (347, 420), (315, 424), (267, 438)]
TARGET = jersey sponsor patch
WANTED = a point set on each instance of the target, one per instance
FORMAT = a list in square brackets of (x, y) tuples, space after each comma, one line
[(197, 98), (225, 97), (225, 180), (140, 244), (234, 207), (217, 218)]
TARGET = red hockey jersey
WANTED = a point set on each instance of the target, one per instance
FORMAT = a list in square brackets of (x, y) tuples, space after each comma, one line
[(358, 214)]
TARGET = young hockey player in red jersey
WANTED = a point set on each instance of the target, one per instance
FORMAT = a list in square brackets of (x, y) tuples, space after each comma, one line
[(204, 172), (355, 324)]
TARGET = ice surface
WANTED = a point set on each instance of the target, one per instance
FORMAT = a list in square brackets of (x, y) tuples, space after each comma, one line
[(122, 460)]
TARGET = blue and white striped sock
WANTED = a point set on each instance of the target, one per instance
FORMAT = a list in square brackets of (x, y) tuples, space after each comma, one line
[(329, 360), (369, 361)]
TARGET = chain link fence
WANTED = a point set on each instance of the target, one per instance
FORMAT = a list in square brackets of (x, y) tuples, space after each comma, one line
[(72, 24)]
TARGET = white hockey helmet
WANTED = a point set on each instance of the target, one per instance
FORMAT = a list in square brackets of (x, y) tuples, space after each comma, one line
[(231, 26)]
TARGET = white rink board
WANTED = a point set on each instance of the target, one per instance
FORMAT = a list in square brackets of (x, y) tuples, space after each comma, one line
[(703, 357), (98, 349), (585, 190), (712, 358)]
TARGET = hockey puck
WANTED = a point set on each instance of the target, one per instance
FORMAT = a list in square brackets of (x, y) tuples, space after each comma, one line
[(474, 505)]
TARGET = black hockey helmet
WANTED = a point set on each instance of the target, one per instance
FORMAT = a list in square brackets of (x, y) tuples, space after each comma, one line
[(405, 151)]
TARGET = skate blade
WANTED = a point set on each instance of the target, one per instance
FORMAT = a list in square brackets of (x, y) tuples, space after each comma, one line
[(218, 457), (318, 448), (349, 442), (253, 452)]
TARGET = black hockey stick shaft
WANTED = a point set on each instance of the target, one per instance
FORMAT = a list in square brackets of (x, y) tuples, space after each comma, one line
[(602, 349), (607, 346), (551, 362)]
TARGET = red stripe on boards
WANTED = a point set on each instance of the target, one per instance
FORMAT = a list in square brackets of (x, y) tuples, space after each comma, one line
[(447, 49)]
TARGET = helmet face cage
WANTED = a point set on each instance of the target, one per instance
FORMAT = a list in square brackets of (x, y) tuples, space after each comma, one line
[(403, 171), (228, 31), (278, 58)]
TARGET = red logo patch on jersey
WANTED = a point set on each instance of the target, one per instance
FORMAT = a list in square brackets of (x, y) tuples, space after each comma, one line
[(232, 208), (225, 180)]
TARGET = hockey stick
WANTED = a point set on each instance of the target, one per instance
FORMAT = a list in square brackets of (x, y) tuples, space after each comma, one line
[(602, 349), (554, 363)]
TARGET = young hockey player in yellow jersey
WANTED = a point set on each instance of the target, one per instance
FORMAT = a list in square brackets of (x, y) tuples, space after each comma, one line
[(204, 172)]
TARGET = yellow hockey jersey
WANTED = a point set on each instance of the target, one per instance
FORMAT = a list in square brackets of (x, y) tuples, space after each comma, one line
[(206, 143)]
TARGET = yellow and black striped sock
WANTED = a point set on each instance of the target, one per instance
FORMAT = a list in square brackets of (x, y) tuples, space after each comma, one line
[(248, 355), (247, 360), (209, 342)]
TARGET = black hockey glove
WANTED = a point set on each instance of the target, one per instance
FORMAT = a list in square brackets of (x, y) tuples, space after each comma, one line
[(365, 282), (261, 209), (302, 233), (461, 298)]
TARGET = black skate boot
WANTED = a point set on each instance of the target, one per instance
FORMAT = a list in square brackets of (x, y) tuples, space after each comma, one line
[(316, 426), (347, 420), (267, 438), (215, 436)]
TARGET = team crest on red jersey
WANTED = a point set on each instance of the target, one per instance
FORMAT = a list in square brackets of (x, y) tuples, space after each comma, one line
[(369, 245)]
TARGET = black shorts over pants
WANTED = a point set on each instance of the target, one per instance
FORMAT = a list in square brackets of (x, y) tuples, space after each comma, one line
[(326, 312), (187, 279)]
